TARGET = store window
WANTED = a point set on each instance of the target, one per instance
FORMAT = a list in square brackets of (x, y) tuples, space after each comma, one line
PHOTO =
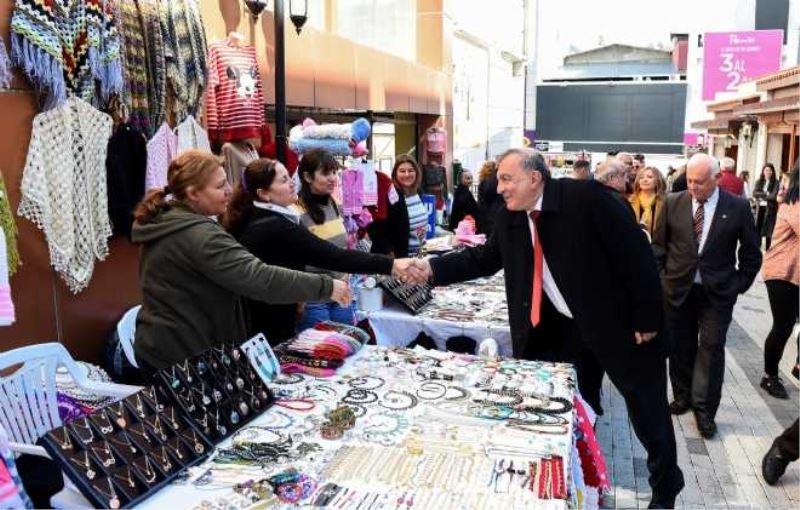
[(385, 25)]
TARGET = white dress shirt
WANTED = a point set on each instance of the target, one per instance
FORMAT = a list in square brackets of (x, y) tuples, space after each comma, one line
[(709, 207), (548, 284)]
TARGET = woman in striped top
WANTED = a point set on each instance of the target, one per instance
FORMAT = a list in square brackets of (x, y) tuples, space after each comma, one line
[(397, 234)]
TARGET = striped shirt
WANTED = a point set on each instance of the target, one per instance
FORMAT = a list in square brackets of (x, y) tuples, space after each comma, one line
[(417, 218), (235, 100), (331, 230)]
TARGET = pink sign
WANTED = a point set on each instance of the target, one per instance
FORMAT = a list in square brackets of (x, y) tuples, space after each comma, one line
[(731, 58)]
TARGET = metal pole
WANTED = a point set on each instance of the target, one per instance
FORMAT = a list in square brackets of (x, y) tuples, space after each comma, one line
[(280, 84)]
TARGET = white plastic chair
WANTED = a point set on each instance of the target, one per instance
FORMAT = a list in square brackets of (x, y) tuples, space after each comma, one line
[(126, 331), (28, 400)]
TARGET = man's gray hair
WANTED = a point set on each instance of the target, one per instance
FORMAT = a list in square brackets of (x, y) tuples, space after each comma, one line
[(704, 159), (611, 170), (728, 164), (530, 159)]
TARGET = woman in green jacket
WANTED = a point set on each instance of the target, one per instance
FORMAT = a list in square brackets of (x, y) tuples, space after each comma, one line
[(193, 272)]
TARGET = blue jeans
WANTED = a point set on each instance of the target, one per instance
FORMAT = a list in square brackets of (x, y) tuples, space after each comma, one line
[(315, 313)]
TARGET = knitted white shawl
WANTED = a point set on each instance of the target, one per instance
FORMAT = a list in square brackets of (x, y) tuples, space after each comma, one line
[(64, 187)]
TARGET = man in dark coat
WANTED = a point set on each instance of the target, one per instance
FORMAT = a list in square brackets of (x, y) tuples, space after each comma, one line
[(695, 243), (591, 284)]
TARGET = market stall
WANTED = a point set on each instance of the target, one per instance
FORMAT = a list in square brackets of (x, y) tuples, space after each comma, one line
[(475, 309), (393, 427)]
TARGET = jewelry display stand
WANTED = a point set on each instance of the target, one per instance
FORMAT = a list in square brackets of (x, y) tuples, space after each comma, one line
[(218, 391), (123, 453), (414, 297)]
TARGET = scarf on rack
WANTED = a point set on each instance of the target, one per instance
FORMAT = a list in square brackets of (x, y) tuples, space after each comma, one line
[(9, 229), (156, 62), (65, 195), (64, 46), (185, 43), (134, 64)]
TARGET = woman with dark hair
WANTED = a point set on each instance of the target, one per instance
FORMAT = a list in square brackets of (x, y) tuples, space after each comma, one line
[(261, 217), (464, 203), (193, 273), (781, 271), (489, 201), (766, 193), (407, 217)]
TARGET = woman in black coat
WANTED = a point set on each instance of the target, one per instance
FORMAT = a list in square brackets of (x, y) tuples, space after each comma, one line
[(489, 202), (766, 195), (260, 218), (464, 203)]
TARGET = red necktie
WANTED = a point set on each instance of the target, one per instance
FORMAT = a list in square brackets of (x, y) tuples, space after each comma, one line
[(538, 269)]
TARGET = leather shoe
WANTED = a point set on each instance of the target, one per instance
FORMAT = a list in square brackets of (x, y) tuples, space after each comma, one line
[(773, 465), (679, 406), (706, 426), (662, 502)]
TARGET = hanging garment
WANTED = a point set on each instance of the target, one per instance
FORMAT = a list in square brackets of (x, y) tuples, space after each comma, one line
[(7, 316), (130, 24), (126, 165), (9, 229), (352, 192), (63, 47), (234, 99), (434, 145), (5, 66), (185, 46), (191, 135), (370, 179), (161, 150), (236, 156), (150, 12), (64, 187)]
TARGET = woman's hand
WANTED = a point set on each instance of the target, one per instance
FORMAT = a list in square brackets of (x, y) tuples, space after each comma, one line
[(341, 293)]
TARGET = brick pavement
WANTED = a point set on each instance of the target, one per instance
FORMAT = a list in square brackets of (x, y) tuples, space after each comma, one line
[(724, 472)]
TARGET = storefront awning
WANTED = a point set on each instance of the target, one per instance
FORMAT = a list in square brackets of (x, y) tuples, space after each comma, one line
[(769, 106), (717, 123)]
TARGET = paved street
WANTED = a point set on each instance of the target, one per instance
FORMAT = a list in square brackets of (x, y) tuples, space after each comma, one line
[(724, 472)]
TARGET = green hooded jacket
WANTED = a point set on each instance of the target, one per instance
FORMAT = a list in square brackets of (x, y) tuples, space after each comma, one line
[(193, 274)]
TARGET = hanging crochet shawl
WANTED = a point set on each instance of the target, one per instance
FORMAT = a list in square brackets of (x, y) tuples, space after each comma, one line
[(64, 187), (63, 46)]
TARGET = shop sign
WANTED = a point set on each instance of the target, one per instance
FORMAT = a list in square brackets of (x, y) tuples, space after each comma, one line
[(731, 58)]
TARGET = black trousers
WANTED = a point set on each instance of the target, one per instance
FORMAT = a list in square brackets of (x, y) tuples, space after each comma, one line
[(787, 443), (646, 401), (697, 363), (784, 300)]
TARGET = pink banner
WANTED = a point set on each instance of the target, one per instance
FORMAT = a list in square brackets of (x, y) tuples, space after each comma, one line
[(731, 58)]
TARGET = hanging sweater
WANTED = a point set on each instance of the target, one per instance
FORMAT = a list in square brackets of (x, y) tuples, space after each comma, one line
[(63, 49), (64, 187), (126, 164), (234, 100), (161, 150)]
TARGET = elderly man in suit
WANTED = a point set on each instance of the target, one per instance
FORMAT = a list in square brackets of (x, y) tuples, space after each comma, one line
[(695, 243), (580, 281)]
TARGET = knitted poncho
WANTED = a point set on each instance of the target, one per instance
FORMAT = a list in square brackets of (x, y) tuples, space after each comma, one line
[(185, 45), (64, 187), (63, 46)]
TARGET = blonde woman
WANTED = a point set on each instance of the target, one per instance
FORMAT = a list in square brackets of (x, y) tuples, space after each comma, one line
[(647, 199)]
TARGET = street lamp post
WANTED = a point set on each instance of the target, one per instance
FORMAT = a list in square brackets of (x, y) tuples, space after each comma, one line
[(280, 85)]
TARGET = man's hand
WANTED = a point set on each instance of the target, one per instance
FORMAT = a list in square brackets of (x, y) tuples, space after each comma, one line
[(408, 271), (642, 338), (341, 293)]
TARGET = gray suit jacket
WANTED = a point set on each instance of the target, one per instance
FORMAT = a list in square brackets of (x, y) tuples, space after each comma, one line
[(676, 253)]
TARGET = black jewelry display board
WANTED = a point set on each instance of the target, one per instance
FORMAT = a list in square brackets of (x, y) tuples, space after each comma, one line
[(218, 391), (122, 454), (413, 297)]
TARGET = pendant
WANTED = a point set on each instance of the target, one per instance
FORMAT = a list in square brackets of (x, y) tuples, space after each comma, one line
[(216, 395), (226, 360), (251, 375), (264, 396), (234, 417), (206, 400), (90, 474), (222, 430), (109, 462), (255, 403), (229, 386), (107, 430), (113, 503), (175, 383), (243, 408), (236, 354), (214, 365), (167, 466), (121, 422), (188, 378), (239, 383), (199, 448)]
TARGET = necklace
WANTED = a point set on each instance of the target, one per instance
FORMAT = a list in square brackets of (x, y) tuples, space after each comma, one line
[(204, 423), (153, 395), (184, 368), (86, 464), (149, 472), (104, 447), (111, 495), (119, 410), (127, 478), (176, 449), (219, 426), (127, 443), (165, 462), (106, 427), (198, 446), (143, 434), (226, 360), (66, 442), (156, 424), (202, 394), (175, 381), (173, 420), (139, 405), (77, 425)]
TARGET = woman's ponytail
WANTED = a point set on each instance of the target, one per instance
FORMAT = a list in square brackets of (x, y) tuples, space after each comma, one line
[(154, 203)]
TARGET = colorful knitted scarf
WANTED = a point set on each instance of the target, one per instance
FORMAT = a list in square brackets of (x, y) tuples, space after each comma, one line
[(156, 62), (134, 58), (63, 46), (9, 229), (185, 42)]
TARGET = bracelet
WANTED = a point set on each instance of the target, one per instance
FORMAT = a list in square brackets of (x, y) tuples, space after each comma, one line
[(359, 396), (296, 404)]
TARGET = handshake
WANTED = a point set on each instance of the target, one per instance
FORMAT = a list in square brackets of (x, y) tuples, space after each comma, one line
[(413, 271)]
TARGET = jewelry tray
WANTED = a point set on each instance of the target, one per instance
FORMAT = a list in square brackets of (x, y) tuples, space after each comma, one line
[(189, 442), (209, 387), (413, 297)]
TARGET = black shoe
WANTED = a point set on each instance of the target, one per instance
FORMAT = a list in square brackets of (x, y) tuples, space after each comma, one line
[(706, 426), (679, 406), (774, 386), (773, 466), (662, 502)]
